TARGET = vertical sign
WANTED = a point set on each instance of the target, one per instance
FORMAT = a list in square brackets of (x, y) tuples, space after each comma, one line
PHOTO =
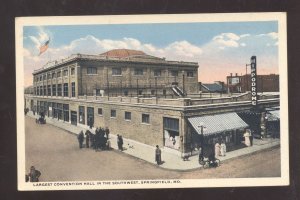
[(253, 81)]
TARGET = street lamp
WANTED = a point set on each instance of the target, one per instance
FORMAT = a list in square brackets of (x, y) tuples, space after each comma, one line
[(201, 126)]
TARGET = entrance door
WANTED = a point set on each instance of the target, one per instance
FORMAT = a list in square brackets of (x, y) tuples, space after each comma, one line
[(31, 105), (90, 116), (74, 118)]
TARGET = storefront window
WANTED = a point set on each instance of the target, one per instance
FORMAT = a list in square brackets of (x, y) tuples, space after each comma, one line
[(81, 115)]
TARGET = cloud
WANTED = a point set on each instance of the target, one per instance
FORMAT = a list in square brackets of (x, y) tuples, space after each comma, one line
[(227, 39), (272, 35), (245, 35), (38, 39)]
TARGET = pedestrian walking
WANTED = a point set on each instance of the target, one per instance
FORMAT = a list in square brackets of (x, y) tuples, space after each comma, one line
[(33, 175), (223, 149), (87, 138), (120, 142), (217, 149), (80, 138), (200, 155), (158, 155)]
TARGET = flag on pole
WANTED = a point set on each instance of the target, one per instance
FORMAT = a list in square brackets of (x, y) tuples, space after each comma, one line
[(44, 47)]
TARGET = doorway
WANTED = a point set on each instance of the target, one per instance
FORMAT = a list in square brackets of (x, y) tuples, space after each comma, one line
[(74, 118)]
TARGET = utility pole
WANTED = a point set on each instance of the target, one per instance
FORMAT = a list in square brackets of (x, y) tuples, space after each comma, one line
[(137, 87), (107, 82), (155, 86)]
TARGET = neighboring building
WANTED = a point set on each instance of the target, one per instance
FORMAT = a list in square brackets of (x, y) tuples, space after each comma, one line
[(102, 91), (241, 84), (217, 87)]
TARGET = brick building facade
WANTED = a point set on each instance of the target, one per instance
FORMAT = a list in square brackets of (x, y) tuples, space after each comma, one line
[(241, 84)]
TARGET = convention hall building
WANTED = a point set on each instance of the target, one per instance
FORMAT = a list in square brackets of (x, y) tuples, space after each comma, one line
[(142, 97)]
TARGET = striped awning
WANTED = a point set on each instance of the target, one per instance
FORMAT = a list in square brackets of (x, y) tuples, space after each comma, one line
[(217, 123), (273, 115)]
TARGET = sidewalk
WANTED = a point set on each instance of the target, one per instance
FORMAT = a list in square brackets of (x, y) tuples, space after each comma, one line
[(171, 160)]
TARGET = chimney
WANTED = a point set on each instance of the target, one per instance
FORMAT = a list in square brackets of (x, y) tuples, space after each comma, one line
[(231, 74), (236, 74)]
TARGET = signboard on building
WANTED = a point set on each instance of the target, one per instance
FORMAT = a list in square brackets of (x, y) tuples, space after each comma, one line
[(253, 81)]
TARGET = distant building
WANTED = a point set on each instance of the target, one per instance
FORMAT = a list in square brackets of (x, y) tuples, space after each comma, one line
[(241, 84)]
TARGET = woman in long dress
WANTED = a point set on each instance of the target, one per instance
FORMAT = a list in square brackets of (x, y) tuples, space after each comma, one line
[(223, 148), (217, 149)]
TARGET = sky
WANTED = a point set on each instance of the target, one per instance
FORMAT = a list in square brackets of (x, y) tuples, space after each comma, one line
[(220, 48)]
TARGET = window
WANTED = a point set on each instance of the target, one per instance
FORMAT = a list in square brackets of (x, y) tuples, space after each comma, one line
[(48, 76), (54, 75), (58, 89), (164, 92), (58, 74), (127, 115), (140, 92), (65, 72), (54, 90), (174, 73), (113, 113), (66, 92), (100, 111), (157, 72), (44, 77), (72, 71), (81, 115), (40, 78), (49, 90), (190, 74), (73, 89), (146, 118), (91, 70), (138, 71), (41, 90), (45, 90), (171, 124), (116, 71), (152, 92), (126, 93), (37, 90)]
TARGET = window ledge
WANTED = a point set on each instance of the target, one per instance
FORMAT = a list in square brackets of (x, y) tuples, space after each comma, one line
[(146, 123)]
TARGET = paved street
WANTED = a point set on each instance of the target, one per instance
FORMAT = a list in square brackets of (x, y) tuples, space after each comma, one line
[(56, 154)]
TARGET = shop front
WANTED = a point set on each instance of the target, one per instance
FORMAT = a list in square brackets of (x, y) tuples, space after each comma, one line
[(208, 130), (273, 123)]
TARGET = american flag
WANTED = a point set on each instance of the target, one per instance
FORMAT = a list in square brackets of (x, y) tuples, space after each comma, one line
[(44, 47)]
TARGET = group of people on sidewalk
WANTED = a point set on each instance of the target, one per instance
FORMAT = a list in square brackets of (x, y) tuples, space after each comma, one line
[(98, 141)]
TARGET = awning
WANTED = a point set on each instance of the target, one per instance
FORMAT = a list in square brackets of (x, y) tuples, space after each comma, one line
[(217, 123), (274, 115)]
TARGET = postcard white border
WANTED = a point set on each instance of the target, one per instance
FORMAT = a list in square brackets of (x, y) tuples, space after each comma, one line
[(143, 19)]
